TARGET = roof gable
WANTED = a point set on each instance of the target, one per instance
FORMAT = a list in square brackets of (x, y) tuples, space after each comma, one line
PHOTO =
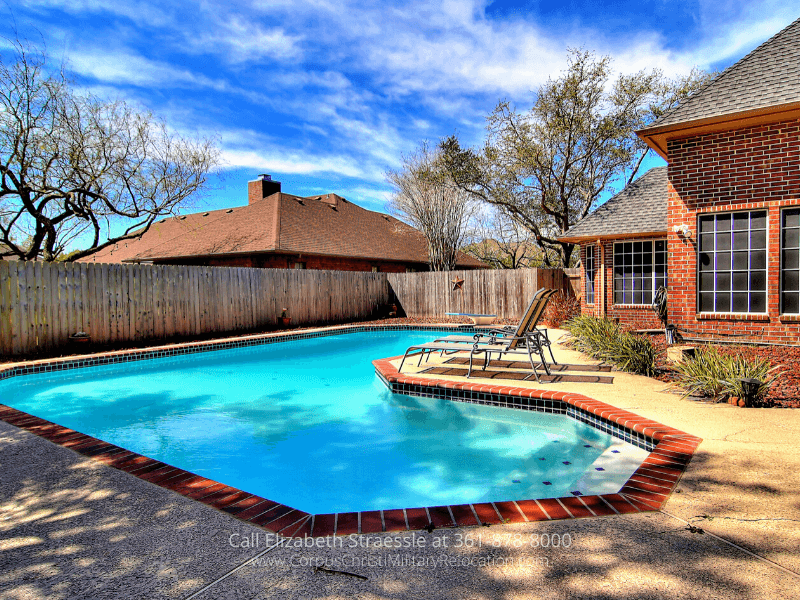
[(638, 209), (346, 229)]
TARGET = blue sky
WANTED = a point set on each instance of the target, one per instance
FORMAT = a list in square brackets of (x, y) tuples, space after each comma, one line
[(327, 95)]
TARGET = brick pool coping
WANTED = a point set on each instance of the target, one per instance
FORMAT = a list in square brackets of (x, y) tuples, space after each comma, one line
[(646, 490)]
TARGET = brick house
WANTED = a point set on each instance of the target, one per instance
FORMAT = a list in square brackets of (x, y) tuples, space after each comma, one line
[(282, 231), (726, 209), (628, 232)]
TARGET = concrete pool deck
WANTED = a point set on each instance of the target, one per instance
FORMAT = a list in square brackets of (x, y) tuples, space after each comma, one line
[(71, 527)]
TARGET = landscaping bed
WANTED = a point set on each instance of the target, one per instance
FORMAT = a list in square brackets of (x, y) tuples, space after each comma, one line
[(784, 393)]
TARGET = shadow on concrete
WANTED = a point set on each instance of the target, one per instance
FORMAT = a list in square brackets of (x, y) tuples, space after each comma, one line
[(72, 528)]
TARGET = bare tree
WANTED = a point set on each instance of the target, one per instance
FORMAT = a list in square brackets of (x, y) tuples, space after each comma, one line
[(548, 167), (428, 200), (75, 170), (504, 243)]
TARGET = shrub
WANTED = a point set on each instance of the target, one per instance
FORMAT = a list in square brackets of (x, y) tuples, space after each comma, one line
[(561, 308), (703, 375), (711, 373), (605, 340)]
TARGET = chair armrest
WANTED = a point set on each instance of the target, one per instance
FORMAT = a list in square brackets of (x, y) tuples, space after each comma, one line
[(538, 334), (496, 332)]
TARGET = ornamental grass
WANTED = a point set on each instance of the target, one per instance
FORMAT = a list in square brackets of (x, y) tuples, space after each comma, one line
[(605, 340), (711, 373)]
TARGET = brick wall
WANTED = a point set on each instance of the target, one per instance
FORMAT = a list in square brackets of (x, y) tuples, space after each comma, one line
[(286, 261), (750, 168), (633, 317)]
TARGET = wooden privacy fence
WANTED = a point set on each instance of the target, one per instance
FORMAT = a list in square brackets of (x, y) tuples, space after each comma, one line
[(42, 304), (572, 278), (502, 292)]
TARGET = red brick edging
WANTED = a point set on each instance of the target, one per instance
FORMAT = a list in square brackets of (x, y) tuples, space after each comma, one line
[(646, 490)]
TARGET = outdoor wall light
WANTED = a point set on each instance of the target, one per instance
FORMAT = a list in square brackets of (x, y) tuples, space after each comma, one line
[(750, 388), (682, 230)]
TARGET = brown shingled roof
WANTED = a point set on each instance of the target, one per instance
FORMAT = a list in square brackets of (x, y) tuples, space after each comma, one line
[(282, 223)]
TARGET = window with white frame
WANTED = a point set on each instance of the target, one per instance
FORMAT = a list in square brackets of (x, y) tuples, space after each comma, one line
[(790, 261), (640, 268), (590, 268), (732, 262)]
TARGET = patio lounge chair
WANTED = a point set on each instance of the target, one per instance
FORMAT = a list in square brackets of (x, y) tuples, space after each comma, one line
[(528, 344), (528, 323)]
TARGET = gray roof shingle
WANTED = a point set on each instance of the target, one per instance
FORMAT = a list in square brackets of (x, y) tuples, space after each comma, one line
[(768, 76), (639, 208)]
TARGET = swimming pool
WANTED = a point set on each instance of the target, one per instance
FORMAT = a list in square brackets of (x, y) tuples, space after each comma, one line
[(308, 423)]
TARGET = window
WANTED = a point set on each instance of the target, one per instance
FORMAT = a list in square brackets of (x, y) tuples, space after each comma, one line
[(732, 262), (790, 261), (590, 268), (640, 268), (299, 265), (374, 269)]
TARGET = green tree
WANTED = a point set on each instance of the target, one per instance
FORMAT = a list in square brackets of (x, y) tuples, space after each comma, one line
[(547, 167), (76, 170)]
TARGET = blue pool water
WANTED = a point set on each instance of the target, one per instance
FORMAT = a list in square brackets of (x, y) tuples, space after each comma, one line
[(308, 423)]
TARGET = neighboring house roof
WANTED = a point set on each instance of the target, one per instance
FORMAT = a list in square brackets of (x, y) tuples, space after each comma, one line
[(280, 223), (3, 250), (768, 77), (640, 208)]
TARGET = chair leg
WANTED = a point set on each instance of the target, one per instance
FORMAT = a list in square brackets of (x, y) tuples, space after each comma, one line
[(400, 368), (540, 351), (547, 343), (469, 372), (533, 367), (550, 349)]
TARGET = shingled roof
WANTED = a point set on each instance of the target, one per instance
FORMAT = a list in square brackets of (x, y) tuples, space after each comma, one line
[(769, 76), (280, 223), (641, 208)]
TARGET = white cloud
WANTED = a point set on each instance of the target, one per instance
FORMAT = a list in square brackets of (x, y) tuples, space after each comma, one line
[(733, 28), (293, 163), (143, 13), (127, 68), (352, 85), (423, 48), (239, 39)]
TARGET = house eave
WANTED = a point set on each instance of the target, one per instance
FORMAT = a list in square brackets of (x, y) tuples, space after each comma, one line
[(657, 137), (158, 259), (585, 239)]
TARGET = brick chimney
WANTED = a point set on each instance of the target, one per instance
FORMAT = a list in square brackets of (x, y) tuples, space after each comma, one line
[(262, 187)]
